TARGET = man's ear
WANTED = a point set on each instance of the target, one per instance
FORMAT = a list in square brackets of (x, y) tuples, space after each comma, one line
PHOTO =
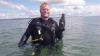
[(40, 10)]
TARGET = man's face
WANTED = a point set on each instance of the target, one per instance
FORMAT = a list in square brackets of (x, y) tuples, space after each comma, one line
[(45, 11)]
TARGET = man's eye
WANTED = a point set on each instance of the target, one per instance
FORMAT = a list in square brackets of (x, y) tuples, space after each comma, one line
[(46, 9)]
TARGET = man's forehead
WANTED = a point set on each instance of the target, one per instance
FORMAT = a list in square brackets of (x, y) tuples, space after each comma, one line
[(45, 6)]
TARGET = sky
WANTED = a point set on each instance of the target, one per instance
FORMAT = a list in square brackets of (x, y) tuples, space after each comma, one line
[(30, 8)]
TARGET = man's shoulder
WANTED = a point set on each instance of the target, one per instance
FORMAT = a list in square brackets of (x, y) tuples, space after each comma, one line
[(34, 20), (51, 19)]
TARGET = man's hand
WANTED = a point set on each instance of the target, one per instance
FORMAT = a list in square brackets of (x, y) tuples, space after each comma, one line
[(62, 22)]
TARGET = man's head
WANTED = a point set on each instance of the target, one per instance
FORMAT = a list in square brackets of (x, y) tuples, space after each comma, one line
[(44, 11)]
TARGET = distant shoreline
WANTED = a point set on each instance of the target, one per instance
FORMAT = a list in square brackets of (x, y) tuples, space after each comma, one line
[(53, 17), (15, 18)]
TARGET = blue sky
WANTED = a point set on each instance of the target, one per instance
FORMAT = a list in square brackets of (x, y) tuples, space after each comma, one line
[(30, 8), (93, 1)]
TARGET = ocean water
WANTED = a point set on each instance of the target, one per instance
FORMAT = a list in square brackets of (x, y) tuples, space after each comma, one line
[(81, 38)]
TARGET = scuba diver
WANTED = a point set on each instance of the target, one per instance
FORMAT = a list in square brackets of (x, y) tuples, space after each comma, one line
[(43, 30)]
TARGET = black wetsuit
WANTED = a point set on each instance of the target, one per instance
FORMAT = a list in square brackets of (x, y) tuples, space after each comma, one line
[(49, 29)]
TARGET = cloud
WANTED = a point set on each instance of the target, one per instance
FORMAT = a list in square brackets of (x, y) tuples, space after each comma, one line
[(75, 2), (2, 15), (93, 10), (65, 6), (16, 6), (12, 15), (69, 7), (66, 2), (18, 15), (49, 1), (57, 10), (22, 11)]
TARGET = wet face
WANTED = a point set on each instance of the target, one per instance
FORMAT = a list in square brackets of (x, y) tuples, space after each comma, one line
[(45, 11)]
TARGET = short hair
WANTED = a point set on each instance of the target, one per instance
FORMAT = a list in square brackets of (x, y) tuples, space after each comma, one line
[(44, 4)]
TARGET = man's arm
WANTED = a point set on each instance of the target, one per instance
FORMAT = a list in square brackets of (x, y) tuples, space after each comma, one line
[(61, 27), (25, 37), (59, 33)]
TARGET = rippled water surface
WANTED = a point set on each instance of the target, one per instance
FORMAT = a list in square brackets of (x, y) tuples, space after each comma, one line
[(81, 38)]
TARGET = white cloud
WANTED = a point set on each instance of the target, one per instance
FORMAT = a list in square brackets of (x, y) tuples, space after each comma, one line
[(55, 10), (65, 6), (18, 15), (12, 15), (2, 14), (75, 7), (16, 6), (69, 7), (25, 12), (93, 10), (62, 2), (49, 1), (79, 8), (75, 2), (69, 2)]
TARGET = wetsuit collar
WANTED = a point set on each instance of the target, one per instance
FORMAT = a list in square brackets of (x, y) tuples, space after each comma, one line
[(45, 20)]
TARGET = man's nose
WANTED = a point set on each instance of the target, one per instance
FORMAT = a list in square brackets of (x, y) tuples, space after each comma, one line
[(45, 11)]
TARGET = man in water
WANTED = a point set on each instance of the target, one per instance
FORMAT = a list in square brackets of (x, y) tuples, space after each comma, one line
[(43, 30)]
